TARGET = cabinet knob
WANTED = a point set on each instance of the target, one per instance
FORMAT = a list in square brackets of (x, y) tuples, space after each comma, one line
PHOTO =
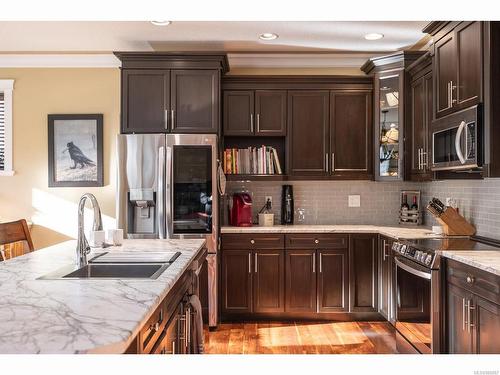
[(470, 279), (252, 241), (316, 241)]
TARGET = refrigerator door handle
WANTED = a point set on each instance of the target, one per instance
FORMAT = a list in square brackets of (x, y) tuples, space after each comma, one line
[(161, 193), (168, 194)]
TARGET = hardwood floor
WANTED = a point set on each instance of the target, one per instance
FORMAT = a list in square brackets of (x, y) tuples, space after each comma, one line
[(301, 338)]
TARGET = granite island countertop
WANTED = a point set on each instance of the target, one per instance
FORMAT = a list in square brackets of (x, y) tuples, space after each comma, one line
[(81, 316), (398, 232)]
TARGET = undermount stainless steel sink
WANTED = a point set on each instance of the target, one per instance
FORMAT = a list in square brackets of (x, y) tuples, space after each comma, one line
[(131, 270)]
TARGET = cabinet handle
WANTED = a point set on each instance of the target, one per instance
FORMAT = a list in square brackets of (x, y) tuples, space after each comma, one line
[(165, 119), (424, 159), (420, 159), (449, 96), (384, 254), (452, 88), (255, 260), (249, 262), (470, 280), (258, 122), (326, 162), (469, 320), (252, 241), (172, 115), (333, 162), (173, 347), (251, 122), (188, 329), (320, 262), (154, 327), (314, 262), (316, 241), (463, 314)]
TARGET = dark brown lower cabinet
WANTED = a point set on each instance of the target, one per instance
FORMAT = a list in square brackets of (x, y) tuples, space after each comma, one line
[(472, 310), (268, 281), (363, 270), (236, 283), (385, 305), (300, 270), (333, 280)]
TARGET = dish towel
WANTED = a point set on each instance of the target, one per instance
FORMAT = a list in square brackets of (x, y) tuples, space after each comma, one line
[(197, 346)]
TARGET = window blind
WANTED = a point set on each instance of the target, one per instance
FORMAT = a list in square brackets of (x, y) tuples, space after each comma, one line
[(2, 131)]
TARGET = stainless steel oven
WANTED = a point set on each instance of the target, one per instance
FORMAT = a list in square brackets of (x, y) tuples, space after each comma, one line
[(457, 141), (416, 294)]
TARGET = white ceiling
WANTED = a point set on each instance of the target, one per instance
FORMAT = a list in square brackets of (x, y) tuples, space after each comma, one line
[(309, 37)]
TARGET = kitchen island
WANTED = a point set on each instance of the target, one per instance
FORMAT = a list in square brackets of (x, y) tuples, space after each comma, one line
[(82, 316)]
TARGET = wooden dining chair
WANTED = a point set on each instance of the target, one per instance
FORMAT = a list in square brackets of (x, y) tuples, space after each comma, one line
[(13, 232)]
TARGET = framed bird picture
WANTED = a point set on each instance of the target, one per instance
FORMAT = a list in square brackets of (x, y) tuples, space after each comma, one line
[(75, 150)]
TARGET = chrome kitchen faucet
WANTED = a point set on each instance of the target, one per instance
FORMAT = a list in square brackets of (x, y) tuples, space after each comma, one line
[(82, 246)]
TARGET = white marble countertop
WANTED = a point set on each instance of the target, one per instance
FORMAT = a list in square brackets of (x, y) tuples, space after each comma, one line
[(400, 232), (488, 261), (80, 316)]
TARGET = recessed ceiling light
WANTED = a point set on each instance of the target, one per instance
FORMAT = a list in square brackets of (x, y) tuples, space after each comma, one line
[(161, 23), (374, 36), (268, 36)]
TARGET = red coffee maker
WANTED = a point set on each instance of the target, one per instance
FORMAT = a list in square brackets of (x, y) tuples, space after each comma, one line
[(240, 214)]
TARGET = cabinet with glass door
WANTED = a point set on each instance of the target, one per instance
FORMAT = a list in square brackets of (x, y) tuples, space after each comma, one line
[(389, 132)]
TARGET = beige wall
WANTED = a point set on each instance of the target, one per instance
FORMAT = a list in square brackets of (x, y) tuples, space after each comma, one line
[(37, 93)]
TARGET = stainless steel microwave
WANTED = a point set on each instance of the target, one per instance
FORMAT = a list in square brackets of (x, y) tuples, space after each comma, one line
[(457, 141)]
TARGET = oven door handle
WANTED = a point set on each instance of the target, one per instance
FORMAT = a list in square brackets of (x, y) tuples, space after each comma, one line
[(458, 146), (413, 271)]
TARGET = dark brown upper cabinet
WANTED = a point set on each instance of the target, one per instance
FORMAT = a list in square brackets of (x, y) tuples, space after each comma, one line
[(255, 112), (363, 272), (171, 92), (351, 134), (308, 132), (458, 59), (391, 107), (194, 104), (417, 142), (145, 100)]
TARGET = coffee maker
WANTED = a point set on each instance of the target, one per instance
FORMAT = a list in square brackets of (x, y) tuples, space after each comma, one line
[(240, 214), (287, 205)]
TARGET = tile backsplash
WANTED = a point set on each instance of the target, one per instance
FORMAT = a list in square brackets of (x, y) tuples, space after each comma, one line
[(326, 202)]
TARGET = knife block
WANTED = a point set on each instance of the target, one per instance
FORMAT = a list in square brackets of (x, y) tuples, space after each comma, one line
[(455, 224)]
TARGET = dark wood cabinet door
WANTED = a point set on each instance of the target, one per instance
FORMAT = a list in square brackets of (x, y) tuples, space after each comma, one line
[(458, 337), (469, 56), (194, 101), (145, 100), (445, 72), (270, 112), (385, 277), (269, 281), (487, 326), (300, 287), (236, 282), (418, 126), (238, 110), (333, 280), (363, 272), (308, 132), (351, 134)]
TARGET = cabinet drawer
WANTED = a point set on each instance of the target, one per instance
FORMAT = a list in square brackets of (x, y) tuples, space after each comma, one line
[(477, 281), (152, 330), (316, 241), (253, 241)]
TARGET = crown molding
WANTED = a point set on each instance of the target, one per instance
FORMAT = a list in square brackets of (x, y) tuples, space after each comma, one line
[(299, 60), (59, 61)]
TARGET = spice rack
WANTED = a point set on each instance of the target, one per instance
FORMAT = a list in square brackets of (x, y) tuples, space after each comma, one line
[(410, 216)]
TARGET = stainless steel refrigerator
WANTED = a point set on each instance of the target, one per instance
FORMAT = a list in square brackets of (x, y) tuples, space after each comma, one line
[(167, 188)]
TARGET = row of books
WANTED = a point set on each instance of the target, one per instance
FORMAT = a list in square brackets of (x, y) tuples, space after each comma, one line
[(252, 160)]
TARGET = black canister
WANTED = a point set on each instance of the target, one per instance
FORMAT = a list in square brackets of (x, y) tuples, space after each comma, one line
[(287, 205)]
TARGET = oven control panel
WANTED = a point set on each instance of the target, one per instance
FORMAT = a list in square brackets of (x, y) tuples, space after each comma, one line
[(413, 253)]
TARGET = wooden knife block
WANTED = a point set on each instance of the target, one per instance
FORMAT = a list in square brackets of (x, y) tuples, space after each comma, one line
[(455, 224)]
